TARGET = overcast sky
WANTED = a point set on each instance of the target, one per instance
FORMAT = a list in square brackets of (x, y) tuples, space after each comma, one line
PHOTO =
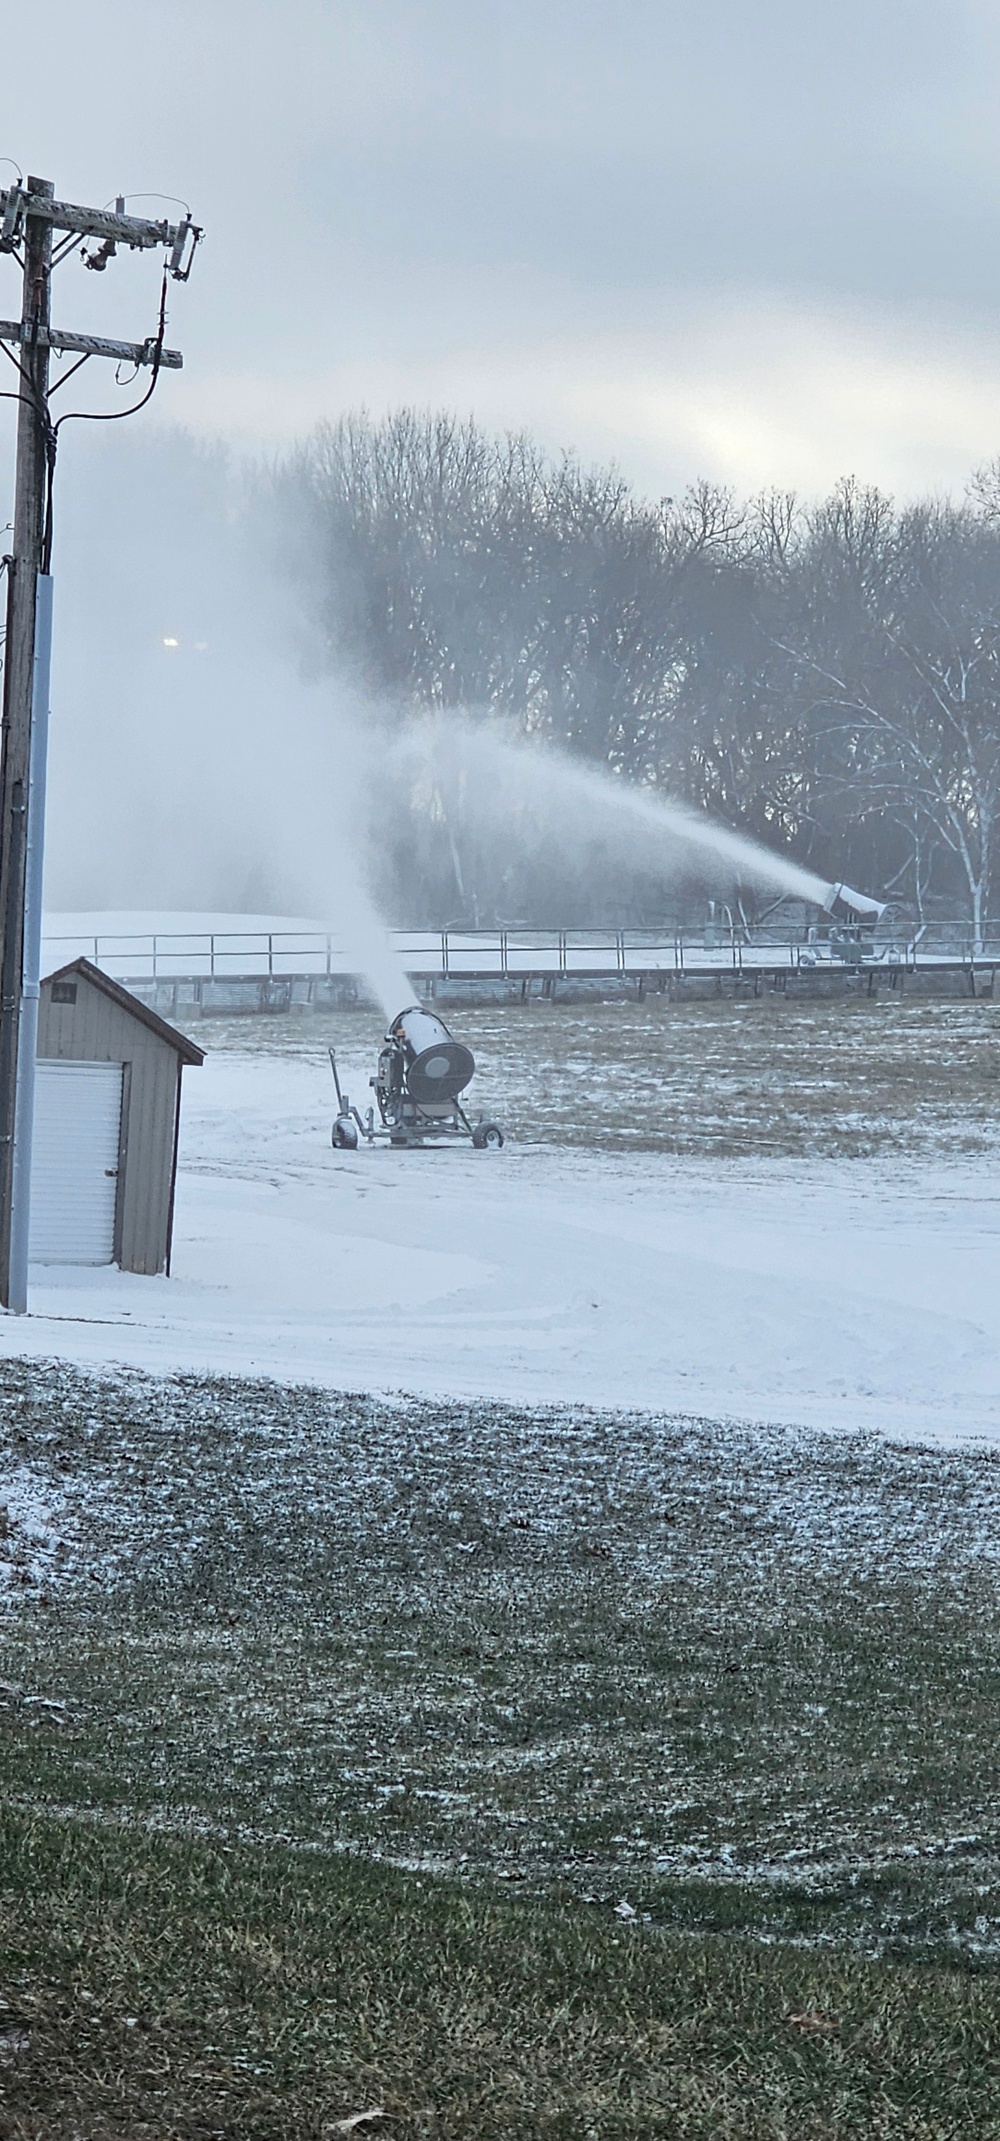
[(757, 239)]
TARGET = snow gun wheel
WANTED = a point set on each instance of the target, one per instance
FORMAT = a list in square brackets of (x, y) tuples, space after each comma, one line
[(344, 1135), (487, 1137)]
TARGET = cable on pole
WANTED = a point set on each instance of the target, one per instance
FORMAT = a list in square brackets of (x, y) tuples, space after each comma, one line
[(94, 416)]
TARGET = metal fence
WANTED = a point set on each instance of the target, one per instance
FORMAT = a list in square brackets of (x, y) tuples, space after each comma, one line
[(509, 954)]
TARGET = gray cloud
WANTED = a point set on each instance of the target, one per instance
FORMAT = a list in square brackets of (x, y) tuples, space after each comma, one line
[(499, 205)]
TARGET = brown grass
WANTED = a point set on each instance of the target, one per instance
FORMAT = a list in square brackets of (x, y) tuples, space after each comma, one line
[(849, 1075)]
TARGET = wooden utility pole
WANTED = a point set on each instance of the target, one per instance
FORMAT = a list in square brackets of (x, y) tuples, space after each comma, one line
[(23, 568), (29, 218)]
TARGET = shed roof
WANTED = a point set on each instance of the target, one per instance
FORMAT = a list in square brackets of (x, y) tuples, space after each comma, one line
[(188, 1051)]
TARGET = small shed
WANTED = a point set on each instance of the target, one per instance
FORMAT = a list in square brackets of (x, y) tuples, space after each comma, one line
[(107, 1117)]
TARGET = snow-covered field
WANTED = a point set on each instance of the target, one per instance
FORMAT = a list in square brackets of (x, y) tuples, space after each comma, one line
[(833, 1293)]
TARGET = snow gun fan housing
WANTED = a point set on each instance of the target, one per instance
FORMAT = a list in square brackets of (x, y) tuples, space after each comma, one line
[(433, 1068), (421, 1072)]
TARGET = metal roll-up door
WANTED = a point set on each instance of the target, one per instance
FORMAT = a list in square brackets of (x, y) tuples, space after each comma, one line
[(74, 1169)]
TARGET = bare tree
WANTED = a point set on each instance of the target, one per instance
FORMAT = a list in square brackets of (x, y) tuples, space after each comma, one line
[(826, 679)]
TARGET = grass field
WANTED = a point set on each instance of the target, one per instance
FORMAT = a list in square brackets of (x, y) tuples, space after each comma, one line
[(520, 1773), (180, 1988), (815, 1077)]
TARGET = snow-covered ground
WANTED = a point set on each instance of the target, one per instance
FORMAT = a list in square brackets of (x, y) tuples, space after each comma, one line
[(833, 1294)]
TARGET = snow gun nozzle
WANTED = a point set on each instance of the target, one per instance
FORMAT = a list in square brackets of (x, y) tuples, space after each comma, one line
[(848, 906)]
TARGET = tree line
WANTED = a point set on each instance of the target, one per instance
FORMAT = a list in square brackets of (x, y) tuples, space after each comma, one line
[(824, 677)]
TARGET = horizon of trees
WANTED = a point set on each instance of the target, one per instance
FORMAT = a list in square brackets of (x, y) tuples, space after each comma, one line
[(824, 677)]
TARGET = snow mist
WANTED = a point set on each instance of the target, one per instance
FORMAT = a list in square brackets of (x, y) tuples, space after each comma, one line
[(193, 766)]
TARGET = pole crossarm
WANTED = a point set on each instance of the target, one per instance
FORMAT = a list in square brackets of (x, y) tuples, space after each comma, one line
[(111, 224), (91, 345)]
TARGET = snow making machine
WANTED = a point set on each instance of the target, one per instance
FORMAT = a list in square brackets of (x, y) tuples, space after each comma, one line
[(421, 1072)]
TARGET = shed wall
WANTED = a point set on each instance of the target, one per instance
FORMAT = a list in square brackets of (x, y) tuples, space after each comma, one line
[(96, 1030)]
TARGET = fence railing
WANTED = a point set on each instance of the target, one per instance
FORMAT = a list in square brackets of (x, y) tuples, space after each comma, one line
[(504, 954)]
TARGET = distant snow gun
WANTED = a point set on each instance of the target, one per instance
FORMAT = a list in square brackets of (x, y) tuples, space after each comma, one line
[(848, 906), (421, 1072), (855, 916)]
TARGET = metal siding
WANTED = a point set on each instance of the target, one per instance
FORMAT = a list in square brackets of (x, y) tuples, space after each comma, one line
[(150, 1154), (122, 1158), (95, 1029), (75, 1163)]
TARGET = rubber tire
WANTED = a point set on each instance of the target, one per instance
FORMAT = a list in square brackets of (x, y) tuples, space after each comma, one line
[(487, 1137), (344, 1135)]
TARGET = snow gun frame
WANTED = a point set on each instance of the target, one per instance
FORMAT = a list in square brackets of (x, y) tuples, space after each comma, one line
[(421, 1072)]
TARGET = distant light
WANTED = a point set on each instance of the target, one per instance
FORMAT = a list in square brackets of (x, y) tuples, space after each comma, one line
[(201, 646), (171, 642)]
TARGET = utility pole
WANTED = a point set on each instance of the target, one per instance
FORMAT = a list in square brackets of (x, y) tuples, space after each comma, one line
[(30, 218), (23, 573)]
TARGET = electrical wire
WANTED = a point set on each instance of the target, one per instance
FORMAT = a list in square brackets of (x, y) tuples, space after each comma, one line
[(62, 380), (38, 401), (174, 197), (22, 374), (113, 416), (95, 416)]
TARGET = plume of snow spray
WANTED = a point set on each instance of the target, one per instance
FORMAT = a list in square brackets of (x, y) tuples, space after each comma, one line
[(509, 791)]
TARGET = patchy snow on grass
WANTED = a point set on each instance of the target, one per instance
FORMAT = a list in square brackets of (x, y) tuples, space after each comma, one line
[(37, 1543), (739, 1676)]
